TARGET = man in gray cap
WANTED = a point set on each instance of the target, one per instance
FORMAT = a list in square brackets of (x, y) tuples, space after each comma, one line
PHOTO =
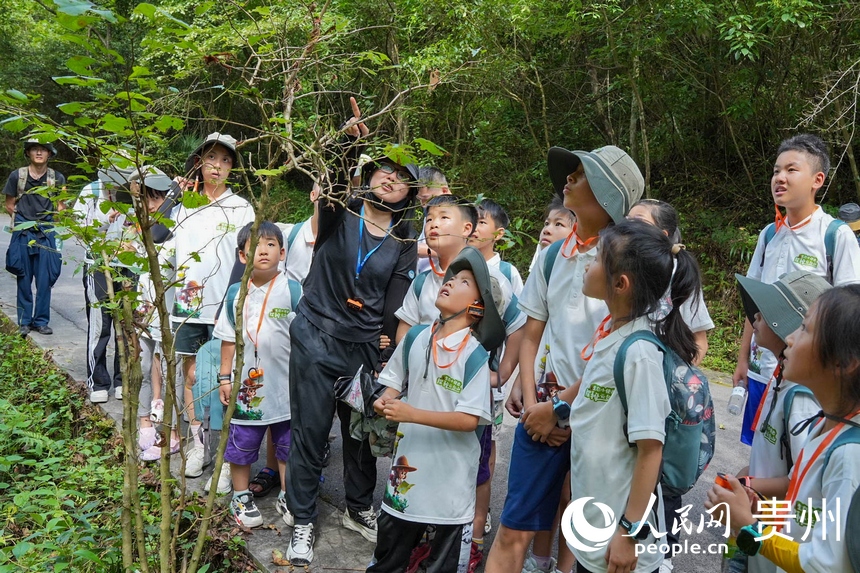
[(33, 254)]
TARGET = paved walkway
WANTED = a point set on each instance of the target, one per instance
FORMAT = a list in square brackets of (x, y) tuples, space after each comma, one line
[(338, 549)]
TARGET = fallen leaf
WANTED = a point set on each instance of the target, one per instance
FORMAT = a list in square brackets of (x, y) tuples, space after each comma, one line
[(278, 557)]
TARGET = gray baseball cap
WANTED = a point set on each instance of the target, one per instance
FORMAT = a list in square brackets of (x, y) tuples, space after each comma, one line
[(612, 175), (782, 304), (213, 138)]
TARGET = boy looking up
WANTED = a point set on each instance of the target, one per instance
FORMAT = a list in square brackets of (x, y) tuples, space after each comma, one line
[(205, 246), (33, 254), (432, 183), (599, 187), (492, 222), (440, 394), (263, 402), (805, 238)]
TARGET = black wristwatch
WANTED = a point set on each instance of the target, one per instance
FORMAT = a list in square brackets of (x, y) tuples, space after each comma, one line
[(630, 527), (560, 408), (746, 539)]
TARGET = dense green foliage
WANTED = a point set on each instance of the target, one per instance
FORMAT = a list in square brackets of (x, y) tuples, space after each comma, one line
[(700, 92), (61, 476)]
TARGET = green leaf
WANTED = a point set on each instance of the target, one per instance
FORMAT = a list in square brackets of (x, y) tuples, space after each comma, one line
[(194, 200), (21, 548), (80, 64), (145, 9), (88, 555), (114, 124), (270, 172), (17, 94), (71, 107), (429, 146), (167, 122), (14, 124), (77, 80)]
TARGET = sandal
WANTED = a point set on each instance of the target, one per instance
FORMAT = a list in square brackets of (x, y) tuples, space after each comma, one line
[(266, 481)]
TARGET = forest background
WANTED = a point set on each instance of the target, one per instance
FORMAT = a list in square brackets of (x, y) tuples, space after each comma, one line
[(700, 92)]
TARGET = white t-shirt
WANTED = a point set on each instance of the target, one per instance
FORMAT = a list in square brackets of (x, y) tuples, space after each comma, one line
[(269, 403), (571, 317), (300, 253), (839, 481), (207, 233), (601, 459), (804, 250), (422, 310), (88, 212), (441, 465), (515, 279), (532, 264)]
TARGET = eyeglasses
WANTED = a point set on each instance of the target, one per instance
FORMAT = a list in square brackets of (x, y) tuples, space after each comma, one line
[(402, 176)]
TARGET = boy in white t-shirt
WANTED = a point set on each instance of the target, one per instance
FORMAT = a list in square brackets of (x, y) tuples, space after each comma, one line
[(795, 241), (263, 402), (440, 395), (599, 187), (205, 246), (775, 311), (300, 239), (431, 183)]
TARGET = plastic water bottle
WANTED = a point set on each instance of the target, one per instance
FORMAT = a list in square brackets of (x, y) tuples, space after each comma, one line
[(736, 402)]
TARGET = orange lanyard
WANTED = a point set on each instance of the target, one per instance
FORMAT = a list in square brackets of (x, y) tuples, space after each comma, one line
[(459, 350), (776, 374), (433, 267), (580, 244), (798, 475), (601, 333), (262, 314), (781, 221)]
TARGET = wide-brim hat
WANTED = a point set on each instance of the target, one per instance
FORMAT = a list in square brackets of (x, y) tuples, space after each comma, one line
[(153, 177), (33, 142), (782, 304), (403, 464), (490, 330), (850, 213), (612, 174), (213, 138)]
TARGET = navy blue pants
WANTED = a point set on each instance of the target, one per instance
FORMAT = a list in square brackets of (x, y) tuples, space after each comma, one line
[(38, 263)]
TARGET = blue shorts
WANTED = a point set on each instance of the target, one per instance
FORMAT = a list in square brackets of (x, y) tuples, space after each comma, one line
[(243, 443), (535, 479)]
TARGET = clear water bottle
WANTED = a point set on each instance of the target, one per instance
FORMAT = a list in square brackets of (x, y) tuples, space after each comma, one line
[(736, 402)]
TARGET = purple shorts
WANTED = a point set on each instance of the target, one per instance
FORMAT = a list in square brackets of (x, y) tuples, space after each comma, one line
[(243, 442), (486, 448)]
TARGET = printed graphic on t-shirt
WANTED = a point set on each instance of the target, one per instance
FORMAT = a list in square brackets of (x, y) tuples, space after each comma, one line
[(808, 261), (247, 402), (397, 486), (449, 383), (188, 300), (805, 514), (598, 393), (279, 313), (755, 357)]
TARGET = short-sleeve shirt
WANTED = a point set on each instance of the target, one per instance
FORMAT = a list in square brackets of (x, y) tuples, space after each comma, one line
[(599, 450), (269, 403), (32, 206), (515, 279), (205, 247), (571, 317), (801, 249), (301, 251), (332, 279), (442, 465), (838, 481)]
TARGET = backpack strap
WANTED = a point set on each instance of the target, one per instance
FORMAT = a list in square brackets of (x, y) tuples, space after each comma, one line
[(474, 362), (505, 267), (785, 441), (22, 179), (830, 245), (849, 436), (230, 303), (621, 358), (769, 233), (418, 284), (51, 181), (294, 232), (549, 261), (295, 294), (407, 342)]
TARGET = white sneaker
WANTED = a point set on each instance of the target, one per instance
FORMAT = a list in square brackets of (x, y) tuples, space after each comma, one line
[(156, 411), (666, 566), (362, 522), (301, 549), (225, 482), (281, 506), (195, 459), (117, 392), (245, 510), (531, 566), (99, 396)]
